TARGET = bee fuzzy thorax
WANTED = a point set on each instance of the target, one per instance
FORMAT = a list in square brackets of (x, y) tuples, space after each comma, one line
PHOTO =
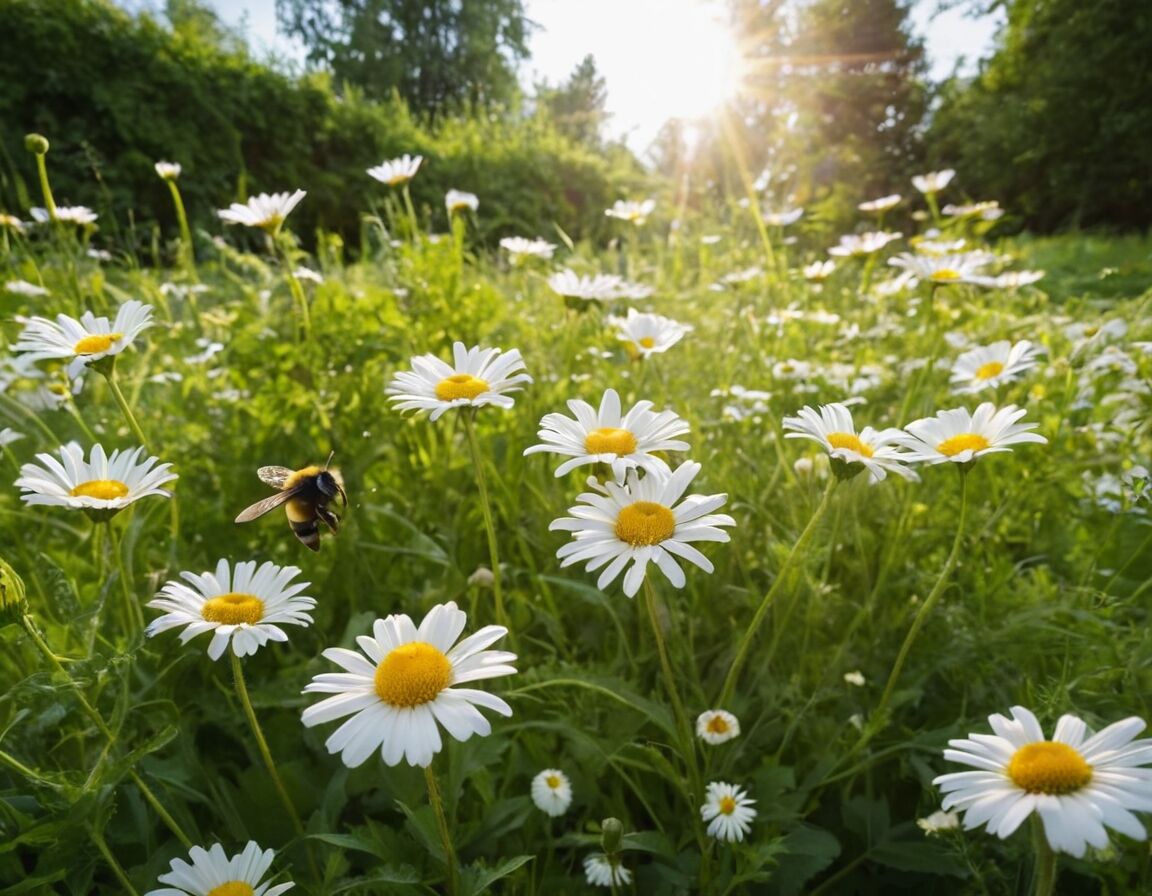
[(298, 477)]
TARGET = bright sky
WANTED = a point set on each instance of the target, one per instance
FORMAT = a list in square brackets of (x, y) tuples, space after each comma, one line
[(660, 58)]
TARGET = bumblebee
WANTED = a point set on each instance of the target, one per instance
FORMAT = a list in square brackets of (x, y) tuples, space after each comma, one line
[(305, 495)]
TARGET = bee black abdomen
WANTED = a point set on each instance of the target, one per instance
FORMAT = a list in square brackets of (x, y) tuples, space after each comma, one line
[(308, 533)]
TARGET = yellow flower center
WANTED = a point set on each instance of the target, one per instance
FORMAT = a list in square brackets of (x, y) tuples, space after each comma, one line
[(849, 441), (412, 674), (963, 442), (647, 342), (460, 385), (552, 781), (608, 440), (232, 888), (989, 370), (1049, 767), (727, 805), (717, 725), (233, 608), (645, 523), (105, 489), (946, 275), (96, 343)]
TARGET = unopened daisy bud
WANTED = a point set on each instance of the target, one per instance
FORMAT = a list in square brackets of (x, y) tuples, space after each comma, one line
[(168, 170), (36, 143), (611, 835), (482, 578), (12, 603)]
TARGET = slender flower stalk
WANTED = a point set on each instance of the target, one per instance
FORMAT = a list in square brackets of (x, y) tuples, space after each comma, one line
[(108, 370), (1044, 868), (187, 249), (38, 146), (486, 509), (133, 613), (298, 296), (450, 861)]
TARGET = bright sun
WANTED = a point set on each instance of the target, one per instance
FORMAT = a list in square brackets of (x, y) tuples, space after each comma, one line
[(694, 61)]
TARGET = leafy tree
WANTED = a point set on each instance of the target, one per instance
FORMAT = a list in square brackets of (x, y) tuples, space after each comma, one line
[(577, 107), (439, 55)]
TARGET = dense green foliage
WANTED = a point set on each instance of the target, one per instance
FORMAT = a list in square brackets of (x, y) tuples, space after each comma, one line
[(1057, 124)]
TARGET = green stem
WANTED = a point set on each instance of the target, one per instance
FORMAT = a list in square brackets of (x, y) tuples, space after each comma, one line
[(486, 507), (98, 839), (1045, 870), (133, 611), (412, 222), (45, 188), (122, 402), (782, 576), (297, 290), (450, 861), (261, 743), (187, 251)]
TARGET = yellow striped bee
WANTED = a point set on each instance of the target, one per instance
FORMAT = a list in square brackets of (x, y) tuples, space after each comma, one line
[(305, 495)]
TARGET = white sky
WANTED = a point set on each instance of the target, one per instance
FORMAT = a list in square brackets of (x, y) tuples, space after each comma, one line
[(654, 54)]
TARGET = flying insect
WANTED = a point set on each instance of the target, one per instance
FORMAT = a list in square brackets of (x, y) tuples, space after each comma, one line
[(305, 495)]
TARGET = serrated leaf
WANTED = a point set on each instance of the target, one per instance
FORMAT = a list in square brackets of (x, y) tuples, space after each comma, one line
[(476, 880)]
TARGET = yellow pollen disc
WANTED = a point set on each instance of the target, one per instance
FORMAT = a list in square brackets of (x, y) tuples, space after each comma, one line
[(99, 342), (849, 441), (727, 805), (717, 725), (989, 370), (233, 608), (645, 523), (412, 674), (647, 342), (232, 888), (1049, 767), (552, 781), (946, 275), (608, 440), (460, 385), (105, 489), (963, 442)]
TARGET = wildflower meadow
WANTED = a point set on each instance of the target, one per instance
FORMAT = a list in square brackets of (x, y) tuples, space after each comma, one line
[(713, 556)]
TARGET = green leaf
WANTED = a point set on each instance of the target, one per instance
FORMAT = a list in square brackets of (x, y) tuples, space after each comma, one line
[(476, 879), (807, 852)]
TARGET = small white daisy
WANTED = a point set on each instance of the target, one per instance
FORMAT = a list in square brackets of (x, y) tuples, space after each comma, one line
[(873, 450), (395, 172), (104, 485), (986, 211), (642, 521), (167, 170), (784, 218), (212, 873), (1011, 279), (520, 248), (404, 683), (477, 377), (859, 244), (458, 201), (631, 210), (24, 288), (933, 181), (960, 437), (943, 269), (604, 871), (594, 288), (1078, 783), (86, 340), (717, 726), (552, 792), (939, 821), (648, 334), (624, 441), (991, 365), (243, 608), (266, 211), (728, 811), (881, 205), (305, 273), (855, 678), (818, 271), (11, 222), (69, 214)]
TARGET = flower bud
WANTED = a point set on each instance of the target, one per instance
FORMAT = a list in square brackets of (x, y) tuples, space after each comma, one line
[(612, 833), (36, 143)]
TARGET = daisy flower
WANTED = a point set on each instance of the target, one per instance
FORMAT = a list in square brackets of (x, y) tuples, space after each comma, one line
[(961, 437), (632, 211), (605, 436), (986, 211), (818, 271), (520, 248), (938, 821), (24, 288), (943, 269), (167, 170), (728, 811), (243, 608), (1011, 279), (605, 871), (717, 726), (552, 792), (858, 244), (86, 340), (477, 377), (404, 684), (873, 450), (395, 172), (933, 181), (881, 205), (648, 334), (991, 365), (266, 211), (212, 873), (639, 522), (458, 201), (783, 218), (595, 288), (1078, 783), (69, 214), (103, 485), (11, 222)]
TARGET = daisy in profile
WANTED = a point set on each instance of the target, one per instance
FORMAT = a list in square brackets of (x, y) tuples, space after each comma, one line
[(606, 436), (459, 201), (873, 450), (728, 811), (102, 486), (475, 378), (243, 608), (818, 271), (933, 181), (405, 683), (881, 205), (212, 873), (601, 870), (961, 437), (594, 288), (648, 334), (991, 365), (520, 249), (24, 288), (642, 521), (861, 244), (1012, 279), (1078, 783), (11, 222), (397, 172), (83, 341), (266, 211), (988, 210), (79, 215), (631, 211), (167, 170), (784, 218), (552, 792), (717, 726), (944, 269)]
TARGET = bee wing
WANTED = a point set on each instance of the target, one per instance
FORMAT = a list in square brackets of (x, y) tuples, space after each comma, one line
[(274, 476), (262, 507)]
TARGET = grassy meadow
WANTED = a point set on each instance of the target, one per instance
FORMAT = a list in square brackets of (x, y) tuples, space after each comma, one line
[(120, 751)]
